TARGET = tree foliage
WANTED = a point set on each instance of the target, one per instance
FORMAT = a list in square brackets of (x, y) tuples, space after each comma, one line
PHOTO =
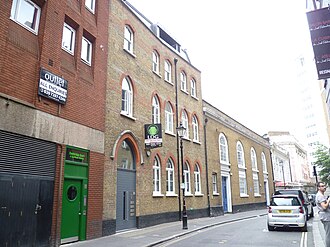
[(322, 157)]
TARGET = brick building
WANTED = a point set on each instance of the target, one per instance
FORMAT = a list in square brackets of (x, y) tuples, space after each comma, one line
[(52, 104), (91, 93), (141, 184), (239, 164)]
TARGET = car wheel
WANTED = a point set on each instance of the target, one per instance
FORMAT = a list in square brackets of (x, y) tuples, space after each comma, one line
[(271, 228), (304, 228)]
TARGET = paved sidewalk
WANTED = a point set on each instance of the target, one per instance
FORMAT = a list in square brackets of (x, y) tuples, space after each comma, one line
[(318, 231), (150, 236)]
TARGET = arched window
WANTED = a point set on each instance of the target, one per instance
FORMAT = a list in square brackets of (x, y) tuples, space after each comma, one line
[(128, 39), (184, 120), (183, 80), (156, 175), (155, 62), (254, 159), (155, 110), (186, 174), (197, 181), (168, 118), (240, 155), (255, 172), (169, 177), (224, 159), (263, 161), (195, 129), (125, 158), (193, 88), (241, 170), (127, 97), (168, 71)]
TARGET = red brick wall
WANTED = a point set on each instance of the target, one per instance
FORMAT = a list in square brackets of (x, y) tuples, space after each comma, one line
[(22, 53)]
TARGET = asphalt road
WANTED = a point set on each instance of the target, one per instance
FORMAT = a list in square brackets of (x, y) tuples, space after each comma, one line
[(249, 232)]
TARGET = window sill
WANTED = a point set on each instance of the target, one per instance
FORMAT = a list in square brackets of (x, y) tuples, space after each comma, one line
[(188, 195), (184, 91), (157, 194), (127, 116), (26, 27), (255, 170), (90, 10), (129, 52), (199, 194), (157, 74), (86, 62), (67, 50), (216, 194), (186, 138), (197, 142), (170, 133), (171, 194), (169, 82), (257, 195), (244, 195), (194, 97)]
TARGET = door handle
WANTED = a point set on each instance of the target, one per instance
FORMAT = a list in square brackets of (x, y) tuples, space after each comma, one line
[(38, 207)]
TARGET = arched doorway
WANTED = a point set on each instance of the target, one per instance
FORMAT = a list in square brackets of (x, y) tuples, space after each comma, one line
[(126, 186)]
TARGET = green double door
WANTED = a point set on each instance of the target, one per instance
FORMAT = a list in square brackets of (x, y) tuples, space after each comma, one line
[(72, 211)]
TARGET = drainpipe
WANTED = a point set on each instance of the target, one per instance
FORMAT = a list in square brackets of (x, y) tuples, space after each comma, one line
[(207, 169), (57, 236), (177, 136)]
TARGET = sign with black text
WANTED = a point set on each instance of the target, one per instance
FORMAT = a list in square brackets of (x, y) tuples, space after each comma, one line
[(153, 135), (53, 86), (319, 27)]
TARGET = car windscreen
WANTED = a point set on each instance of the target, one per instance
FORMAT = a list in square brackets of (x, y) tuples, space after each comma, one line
[(285, 201)]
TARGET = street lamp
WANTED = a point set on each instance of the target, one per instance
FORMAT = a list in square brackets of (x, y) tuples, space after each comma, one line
[(181, 133), (282, 165)]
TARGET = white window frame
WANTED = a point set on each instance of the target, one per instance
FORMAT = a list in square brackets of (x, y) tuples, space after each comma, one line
[(168, 71), (155, 62), (264, 163), (242, 183), (155, 110), (156, 176), (254, 163), (223, 149), (195, 129), (86, 51), (240, 155), (127, 97), (256, 190), (128, 39), (170, 185), (169, 116), (197, 181), (68, 38), (183, 81), (186, 174), (184, 121), (19, 11), (90, 5), (215, 184), (193, 88)]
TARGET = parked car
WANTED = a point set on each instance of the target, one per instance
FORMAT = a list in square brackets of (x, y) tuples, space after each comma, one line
[(286, 211), (311, 198), (303, 196)]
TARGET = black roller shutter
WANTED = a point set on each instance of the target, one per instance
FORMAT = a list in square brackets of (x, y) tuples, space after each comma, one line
[(26, 156)]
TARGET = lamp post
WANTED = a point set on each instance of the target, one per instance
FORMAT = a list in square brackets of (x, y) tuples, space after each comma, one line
[(282, 165), (181, 132)]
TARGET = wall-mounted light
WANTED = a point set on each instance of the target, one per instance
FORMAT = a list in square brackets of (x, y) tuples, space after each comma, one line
[(148, 153)]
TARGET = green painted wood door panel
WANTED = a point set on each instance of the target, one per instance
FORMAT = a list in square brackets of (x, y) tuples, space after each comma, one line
[(71, 210)]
